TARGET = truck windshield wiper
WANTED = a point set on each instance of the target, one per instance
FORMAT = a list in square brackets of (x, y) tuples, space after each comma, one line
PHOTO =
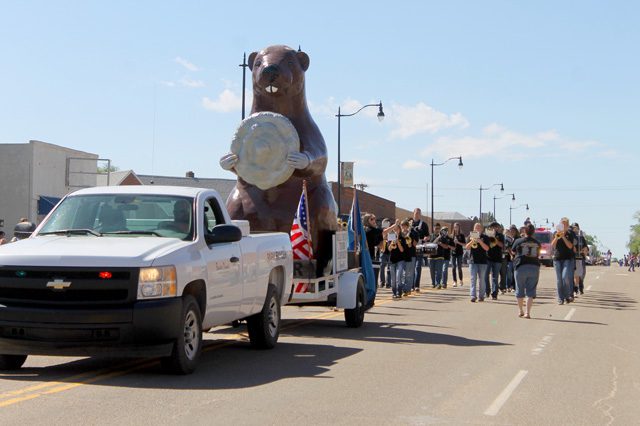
[(79, 231), (133, 233)]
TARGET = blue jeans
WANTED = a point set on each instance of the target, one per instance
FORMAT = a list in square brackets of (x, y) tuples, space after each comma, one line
[(385, 279), (527, 280), (418, 274), (564, 278), (477, 271), (395, 272), (445, 272), (456, 263), (510, 278), (493, 269), (436, 270), (409, 274)]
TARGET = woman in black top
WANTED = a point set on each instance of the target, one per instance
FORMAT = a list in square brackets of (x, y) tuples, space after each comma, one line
[(374, 238), (527, 265), (456, 254)]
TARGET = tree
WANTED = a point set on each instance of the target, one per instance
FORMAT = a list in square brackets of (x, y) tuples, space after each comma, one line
[(594, 242), (634, 238), (105, 169)]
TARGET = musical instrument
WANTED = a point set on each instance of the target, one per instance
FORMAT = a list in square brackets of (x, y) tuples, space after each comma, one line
[(427, 249), (560, 231), (491, 233), (474, 237)]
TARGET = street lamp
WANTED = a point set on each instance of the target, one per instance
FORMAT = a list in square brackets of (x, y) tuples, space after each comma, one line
[(484, 189), (513, 198), (517, 207), (339, 115), (440, 164)]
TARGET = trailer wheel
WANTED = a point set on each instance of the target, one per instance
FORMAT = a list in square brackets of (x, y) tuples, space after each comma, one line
[(355, 317), (188, 346), (264, 327), (12, 362)]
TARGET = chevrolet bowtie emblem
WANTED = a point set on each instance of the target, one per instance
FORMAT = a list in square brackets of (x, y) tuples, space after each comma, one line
[(58, 284)]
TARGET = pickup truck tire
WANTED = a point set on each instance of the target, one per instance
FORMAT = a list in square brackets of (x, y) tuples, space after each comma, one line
[(355, 317), (188, 346), (12, 362), (264, 327)]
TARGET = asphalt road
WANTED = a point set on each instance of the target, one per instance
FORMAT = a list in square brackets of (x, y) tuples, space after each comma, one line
[(433, 358)]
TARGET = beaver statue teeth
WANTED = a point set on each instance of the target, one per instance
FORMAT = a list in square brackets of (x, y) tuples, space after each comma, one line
[(272, 89)]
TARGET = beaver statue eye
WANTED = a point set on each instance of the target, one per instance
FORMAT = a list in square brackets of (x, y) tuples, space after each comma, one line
[(290, 63), (257, 63)]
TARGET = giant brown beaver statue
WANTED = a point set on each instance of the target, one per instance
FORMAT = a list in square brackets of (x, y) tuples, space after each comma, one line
[(279, 86)]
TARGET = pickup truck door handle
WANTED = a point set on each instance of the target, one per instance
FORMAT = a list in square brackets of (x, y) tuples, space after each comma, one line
[(234, 259)]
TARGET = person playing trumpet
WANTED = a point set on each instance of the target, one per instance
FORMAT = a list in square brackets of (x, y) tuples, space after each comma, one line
[(478, 246), (396, 259)]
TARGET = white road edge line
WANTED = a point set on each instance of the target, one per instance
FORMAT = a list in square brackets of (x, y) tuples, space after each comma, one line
[(504, 396), (570, 314)]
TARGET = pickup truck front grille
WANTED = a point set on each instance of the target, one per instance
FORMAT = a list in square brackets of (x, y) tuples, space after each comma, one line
[(67, 287)]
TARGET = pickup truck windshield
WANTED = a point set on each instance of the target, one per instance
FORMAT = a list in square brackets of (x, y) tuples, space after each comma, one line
[(123, 215)]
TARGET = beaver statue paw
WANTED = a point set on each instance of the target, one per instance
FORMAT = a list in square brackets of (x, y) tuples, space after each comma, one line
[(298, 160), (228, 161)]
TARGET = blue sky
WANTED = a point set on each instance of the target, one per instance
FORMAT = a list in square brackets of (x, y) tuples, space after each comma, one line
[(541, 96)]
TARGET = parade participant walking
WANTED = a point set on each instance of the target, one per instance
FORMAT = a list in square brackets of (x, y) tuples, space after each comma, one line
[(436, 259), (510, 236), (385, 280), (527, 270), (632, 263), (422, 230), (581, 250), (459, 242), (446, 242), (396, 259), (374, 240), (563, 260), (494, 257), (410, 240), (478, 246), (3, 240)]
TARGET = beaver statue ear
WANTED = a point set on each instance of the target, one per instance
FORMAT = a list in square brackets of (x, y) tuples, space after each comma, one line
[(252, 59), (303, 58)]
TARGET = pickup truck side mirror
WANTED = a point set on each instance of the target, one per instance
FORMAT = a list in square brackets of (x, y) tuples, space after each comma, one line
[(223, 234)]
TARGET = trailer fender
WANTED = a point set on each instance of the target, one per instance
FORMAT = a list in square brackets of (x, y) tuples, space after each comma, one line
[(347, 289)]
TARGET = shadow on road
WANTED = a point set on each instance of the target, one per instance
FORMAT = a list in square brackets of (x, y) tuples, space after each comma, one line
[(385, 333), (230, 367)]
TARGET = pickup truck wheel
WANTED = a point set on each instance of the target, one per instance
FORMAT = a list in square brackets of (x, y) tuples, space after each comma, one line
[(12, 362), (355, 317), (188, 346), (264, 327)]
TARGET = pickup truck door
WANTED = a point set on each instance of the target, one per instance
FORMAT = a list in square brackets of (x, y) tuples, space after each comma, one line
[(224, 272)]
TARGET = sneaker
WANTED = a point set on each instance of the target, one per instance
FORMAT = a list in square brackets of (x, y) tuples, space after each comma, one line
[(581, 291), (388, 286), (481, 299), (439, 287), (473, 300), (561, 302), (444, 286), (494, 297), (417, 289), (455, 284), (461, 283)]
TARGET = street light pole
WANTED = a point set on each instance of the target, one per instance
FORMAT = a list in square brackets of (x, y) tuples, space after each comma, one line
[(340, 115), (484, 189), (440, 164), (513, 198), (513, 208), (244, 66)]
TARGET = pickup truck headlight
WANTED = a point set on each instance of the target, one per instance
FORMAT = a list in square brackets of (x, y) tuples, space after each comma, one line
[(157, 282)]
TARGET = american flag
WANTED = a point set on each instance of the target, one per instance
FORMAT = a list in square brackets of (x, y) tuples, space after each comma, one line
[(300, 237)]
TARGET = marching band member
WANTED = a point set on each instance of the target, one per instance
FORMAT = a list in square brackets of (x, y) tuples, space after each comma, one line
[(396, 259), (581, 250), (422, 230), (494, 259), (563, 261), (410, 240), (436, 259), (478, 246), (457, 252), (526, 251), (446, 242)]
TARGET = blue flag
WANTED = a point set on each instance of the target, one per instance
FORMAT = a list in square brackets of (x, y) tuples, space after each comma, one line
[(358, 239)]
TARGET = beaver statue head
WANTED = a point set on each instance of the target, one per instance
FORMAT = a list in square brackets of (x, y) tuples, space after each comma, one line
[(278, 72)]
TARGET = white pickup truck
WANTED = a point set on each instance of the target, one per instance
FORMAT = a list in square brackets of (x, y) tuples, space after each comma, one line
[(139, 271)]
